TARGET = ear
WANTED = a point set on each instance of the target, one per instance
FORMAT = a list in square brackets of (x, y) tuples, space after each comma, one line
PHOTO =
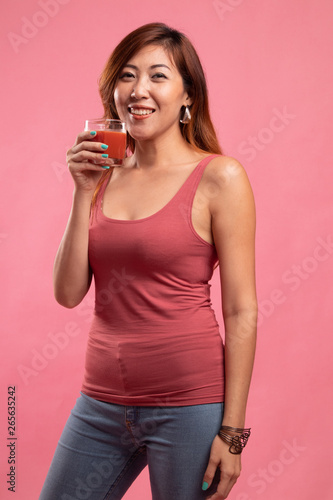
[(188, 101)]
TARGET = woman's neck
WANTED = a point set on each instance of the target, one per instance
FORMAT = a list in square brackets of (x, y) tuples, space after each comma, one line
[(162, 152)]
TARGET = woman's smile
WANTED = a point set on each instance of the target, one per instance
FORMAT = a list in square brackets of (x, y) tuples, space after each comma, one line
[(150, 91), (140, 112)]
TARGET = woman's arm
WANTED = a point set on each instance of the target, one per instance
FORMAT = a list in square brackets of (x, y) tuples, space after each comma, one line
[(233, 226), (72, 274)]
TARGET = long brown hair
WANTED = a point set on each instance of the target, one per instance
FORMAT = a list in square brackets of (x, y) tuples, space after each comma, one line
[(199, 132)]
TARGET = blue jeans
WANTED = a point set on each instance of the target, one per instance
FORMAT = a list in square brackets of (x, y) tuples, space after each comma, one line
[(105, 446)]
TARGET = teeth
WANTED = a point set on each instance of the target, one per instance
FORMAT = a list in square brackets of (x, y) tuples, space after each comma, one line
[(141, 111)]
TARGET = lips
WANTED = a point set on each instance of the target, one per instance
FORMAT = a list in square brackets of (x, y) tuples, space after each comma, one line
[(140, 111)]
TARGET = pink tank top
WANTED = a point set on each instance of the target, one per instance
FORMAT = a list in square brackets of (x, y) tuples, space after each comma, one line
[(154, 339)]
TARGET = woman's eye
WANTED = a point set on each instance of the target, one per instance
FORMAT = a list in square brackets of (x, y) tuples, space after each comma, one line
[(159, 75), (126, 75)]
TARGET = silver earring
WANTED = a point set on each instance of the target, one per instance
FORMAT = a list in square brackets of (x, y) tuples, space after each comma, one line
[(186, 116)]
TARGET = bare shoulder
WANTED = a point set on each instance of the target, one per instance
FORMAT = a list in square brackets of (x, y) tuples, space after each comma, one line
[(227, 180), (222, 170)]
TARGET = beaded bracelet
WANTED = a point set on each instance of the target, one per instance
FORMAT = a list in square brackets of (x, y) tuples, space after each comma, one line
[(237, 443)]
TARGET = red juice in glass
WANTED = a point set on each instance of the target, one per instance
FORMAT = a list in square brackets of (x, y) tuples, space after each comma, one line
[(116, 142), (112, 133)]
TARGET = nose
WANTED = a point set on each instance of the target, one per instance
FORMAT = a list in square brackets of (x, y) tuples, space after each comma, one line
[(141, 89)]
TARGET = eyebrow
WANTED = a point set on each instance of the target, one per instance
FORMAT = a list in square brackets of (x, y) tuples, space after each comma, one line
[(151, 67)]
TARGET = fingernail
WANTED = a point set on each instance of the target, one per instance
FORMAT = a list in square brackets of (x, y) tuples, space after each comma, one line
[(104, 166), (93, 132), (104, 155), (104, 146), (204, 486)]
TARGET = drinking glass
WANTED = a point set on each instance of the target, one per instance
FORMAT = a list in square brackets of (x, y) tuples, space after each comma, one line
[(112, 133)]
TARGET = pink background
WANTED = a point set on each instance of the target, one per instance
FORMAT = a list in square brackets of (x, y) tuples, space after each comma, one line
[(269, 71)]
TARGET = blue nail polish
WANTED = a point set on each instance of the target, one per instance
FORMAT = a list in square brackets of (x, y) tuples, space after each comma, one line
[(104, 146), (104, 155), (204, 486), (93, 133), (105, 166)]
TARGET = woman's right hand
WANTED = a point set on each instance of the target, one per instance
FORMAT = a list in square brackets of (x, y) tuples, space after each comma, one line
[(85, 162)]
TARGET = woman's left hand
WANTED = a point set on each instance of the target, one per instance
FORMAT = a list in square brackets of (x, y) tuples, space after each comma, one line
[(230, 466)]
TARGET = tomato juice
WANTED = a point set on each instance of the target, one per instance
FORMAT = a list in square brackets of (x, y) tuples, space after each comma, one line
[(115, 140)]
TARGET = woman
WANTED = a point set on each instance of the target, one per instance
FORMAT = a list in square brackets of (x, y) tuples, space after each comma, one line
[(158, 382)]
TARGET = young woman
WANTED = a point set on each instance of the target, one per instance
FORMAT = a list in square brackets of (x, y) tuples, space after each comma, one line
[(160, 387)]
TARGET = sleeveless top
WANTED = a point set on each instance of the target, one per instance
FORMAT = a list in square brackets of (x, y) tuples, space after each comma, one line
[(154, 338)]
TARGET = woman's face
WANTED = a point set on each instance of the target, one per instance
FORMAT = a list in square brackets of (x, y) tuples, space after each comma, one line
[(149, 94)]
